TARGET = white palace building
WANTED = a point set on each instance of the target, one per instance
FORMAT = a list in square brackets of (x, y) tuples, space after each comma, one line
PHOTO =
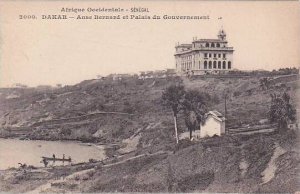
[(204, 56)]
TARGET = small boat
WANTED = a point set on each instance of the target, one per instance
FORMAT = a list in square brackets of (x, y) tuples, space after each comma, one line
[(57, 159)]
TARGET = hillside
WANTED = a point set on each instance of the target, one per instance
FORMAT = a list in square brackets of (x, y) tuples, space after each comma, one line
[(93, 110), (241, 164), (128, 117)]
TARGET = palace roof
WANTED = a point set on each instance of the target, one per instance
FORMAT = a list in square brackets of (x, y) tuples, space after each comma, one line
[(209, 40)]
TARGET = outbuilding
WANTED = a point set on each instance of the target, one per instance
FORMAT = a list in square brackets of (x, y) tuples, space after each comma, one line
[(214, 125)]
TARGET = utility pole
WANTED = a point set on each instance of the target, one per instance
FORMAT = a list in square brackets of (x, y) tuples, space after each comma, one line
[(225, 96)]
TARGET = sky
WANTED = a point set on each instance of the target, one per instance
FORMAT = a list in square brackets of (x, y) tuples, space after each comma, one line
[(265, 35)]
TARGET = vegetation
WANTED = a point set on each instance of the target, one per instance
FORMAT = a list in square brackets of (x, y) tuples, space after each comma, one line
[(71, 112), (281, 110), (281, 71), (265, 83), (210, 165), (195, 108), (172, 97), (192, 102)]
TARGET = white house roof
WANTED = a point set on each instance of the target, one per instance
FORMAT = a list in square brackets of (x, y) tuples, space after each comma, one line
[(217, 115)]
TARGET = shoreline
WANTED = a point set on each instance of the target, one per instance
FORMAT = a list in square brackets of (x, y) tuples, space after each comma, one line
[(105, 148)]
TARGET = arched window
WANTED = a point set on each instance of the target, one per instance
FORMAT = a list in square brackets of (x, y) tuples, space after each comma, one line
[(205, 64), (219, 64), (215, 64), (206, 45), (209, 65), (218, 44), (213, 45), (224, 64), (229, 64)]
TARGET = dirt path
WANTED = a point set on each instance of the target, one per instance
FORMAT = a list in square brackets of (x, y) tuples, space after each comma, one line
[(243, 166), (269, 173)]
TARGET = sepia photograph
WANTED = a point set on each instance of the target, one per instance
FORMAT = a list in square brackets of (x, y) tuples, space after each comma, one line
[(149, 96)]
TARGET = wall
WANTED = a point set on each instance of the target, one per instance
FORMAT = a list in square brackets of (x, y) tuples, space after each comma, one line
[(211, 127)]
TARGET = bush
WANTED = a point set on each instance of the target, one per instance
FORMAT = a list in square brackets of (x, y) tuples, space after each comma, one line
[(66, 132), (236, 93)]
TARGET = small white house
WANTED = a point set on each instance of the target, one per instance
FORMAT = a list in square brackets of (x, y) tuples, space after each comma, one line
[(214, 125)]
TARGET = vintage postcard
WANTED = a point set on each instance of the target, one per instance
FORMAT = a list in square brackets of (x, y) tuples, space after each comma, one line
[(149, 96)]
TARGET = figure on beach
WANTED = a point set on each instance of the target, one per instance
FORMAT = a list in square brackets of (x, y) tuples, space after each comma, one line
[(63, 159), (45, 162)]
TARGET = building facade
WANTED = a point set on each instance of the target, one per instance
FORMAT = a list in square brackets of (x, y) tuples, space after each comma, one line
[(204, 56), (214, 125)]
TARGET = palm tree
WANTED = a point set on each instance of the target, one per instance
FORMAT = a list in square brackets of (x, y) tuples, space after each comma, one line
[(195, 108), (173, 97), (191, 121)]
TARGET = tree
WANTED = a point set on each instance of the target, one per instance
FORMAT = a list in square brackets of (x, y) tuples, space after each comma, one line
[(173, 97), (195, 107), (265, 83), (281, 110)]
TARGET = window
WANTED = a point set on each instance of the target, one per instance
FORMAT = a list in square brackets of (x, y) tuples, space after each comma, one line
[(219, 64), (224, 65), (224, 55), (205, 54), (209, 55), (215, 64), (205, 64), (213, 45), (215, 55), (229, 65), (209, 65), (206, 45), (219, 55), (218, 45)]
